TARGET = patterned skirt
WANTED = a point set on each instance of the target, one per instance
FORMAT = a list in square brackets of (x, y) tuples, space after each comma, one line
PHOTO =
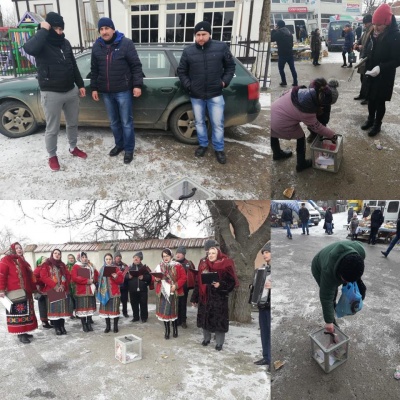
[(167, 310), (59, 309), (85, 306), (111, 309), (22, 318)]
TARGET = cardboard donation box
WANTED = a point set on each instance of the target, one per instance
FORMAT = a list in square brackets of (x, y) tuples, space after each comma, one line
[(128, 348), (327, 155), (329, 351)]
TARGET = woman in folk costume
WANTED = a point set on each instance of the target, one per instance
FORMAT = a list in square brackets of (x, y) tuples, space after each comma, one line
[(72, 286), (168, 288), (16, 273), (109, 294), (41, 296), (85, 275), (212, 298), (55, 275)]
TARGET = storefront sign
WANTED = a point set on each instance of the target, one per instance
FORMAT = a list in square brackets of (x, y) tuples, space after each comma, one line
[(297, 9), (353, 7)]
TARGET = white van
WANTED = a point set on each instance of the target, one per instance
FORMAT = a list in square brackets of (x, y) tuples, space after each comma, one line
[(390, 208), (294, 26)]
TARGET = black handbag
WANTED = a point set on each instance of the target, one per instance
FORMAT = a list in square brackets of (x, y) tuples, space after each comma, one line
[(352, 57)]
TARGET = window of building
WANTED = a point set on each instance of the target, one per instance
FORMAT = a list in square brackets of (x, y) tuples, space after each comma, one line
[(92, 32), (221, 19), (43, 9)]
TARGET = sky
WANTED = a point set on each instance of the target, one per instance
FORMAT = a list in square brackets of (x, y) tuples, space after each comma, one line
[(35, 230)]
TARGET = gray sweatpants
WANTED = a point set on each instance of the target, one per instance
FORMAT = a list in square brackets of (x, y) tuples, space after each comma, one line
[(219, 337), (53, 103)]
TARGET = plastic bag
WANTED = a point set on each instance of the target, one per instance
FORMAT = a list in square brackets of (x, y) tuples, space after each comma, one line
[(350, 301)]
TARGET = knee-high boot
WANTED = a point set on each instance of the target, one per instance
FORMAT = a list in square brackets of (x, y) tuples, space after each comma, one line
[(89, 324), (84, 324), (57, 326), (167, 329), (302, 163), (62, 326), (116, 324), (108, 325), (175, 328)]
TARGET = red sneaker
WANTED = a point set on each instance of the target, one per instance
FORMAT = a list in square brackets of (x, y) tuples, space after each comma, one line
[(78, 153), (53, 162)]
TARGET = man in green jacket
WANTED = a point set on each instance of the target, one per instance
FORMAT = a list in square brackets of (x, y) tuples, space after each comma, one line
[(338, 263)]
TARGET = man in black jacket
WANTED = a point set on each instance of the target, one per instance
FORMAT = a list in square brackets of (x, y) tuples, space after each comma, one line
[(116, 73), (206, 67), (304, 216), (57, 74), (284, 40)]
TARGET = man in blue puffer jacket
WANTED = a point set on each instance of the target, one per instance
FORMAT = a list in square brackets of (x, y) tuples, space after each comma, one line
[(116, 73), (206, 67), (348, 35)]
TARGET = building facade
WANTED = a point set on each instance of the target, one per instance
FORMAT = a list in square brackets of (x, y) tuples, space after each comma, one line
[(152, 21)]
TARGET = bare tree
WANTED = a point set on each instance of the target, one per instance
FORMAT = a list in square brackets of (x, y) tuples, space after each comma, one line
[(7, 236), (7, 18), (371, 5)]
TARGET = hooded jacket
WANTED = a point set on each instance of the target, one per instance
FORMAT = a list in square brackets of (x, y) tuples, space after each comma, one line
[(324, 269), (284, 41)]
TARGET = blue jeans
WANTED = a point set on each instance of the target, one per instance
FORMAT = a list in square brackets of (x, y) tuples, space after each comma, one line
[(215, 107), (329, 227), (304, 226), (119, 110), (282, 60), (392, 243), (287, 226), (264, 318)]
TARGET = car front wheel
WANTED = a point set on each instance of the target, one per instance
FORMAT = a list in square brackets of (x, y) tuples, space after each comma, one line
[(16, 120), (182, 124)]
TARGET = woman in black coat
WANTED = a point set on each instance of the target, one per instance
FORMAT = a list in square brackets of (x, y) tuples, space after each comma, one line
[(381, 67), (316, 44)]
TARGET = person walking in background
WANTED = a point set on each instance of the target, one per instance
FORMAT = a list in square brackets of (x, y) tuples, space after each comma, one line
[(376, 222), (138, 288), (109, 294), (287, 219), (395, 239), (284, 40), (85, 275), (16, 274), (60, 84), (72, 286), (381, 66), (329, 221), (367, 211), (334, 265), (348, 35), (302, 34), (316, 45), (264, 312), (55, 276), (41, 295), (354, 226), (212, 298), (358, 31), (304, 216), (116, 74), (350, 213), (180, 257), (205, 69), (124, 287)]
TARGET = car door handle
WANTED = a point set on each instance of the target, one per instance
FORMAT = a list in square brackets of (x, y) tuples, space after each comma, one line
[(167, 89)]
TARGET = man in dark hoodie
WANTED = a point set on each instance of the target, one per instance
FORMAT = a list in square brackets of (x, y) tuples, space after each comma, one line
[(116, 73), (284, 40)]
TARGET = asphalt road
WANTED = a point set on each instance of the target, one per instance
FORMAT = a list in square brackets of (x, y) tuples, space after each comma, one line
[(365, 171), (374, 340)]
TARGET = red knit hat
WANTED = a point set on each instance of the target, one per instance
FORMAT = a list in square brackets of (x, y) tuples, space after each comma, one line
[(382, 15)]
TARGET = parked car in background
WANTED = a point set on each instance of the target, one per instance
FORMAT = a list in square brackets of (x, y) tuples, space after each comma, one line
[(315, 216), (335, 39), (318, 208), (162, 105)]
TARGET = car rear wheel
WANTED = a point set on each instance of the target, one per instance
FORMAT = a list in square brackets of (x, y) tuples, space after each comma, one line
[(16, 120), (182, 124)]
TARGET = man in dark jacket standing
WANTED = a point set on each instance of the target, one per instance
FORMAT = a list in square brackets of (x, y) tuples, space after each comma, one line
[(287, 219), (206, 67), (304, 216), (376, 222), (348, 35), (57, 75), (329, 221), (116, 73), (284, 40)]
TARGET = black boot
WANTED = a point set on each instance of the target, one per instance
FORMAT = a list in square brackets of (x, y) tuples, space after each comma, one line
[(167, 330), (108, 325), (278, 153), (175, 328), (116, 325), (57, 326), (302, 163), (376, 128), (90, 320), (89, 324), (23, 339), (368, 124), (84, 324), (62, 326), (46, 325)]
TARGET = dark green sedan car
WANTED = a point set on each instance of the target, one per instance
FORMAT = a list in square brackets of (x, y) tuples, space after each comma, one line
[(163, 104)]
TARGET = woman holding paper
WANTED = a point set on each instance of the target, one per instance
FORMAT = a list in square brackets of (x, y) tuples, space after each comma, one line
[(16, 274), (212, 298), (168, 287), (109, 294), (85, 275), (55, 277)]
